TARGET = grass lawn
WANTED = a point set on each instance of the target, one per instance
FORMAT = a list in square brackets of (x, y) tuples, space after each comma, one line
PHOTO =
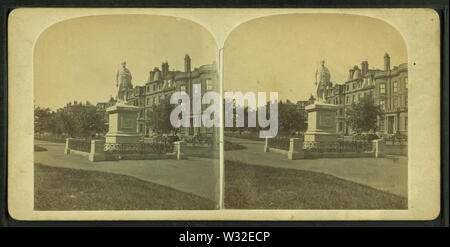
[(70, 189), (258, 187)]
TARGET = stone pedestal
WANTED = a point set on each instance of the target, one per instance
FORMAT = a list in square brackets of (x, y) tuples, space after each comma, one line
[(122, 124), (178, 149), (66, 148), (295, 149), (321, 123), (266, 145), (378, 147), (97, 151)]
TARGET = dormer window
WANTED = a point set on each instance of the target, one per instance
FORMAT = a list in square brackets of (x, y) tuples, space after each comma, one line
[(382, 88)]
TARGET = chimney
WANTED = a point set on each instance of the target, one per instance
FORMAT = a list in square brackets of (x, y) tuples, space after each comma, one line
[(165, 69), (350, 74), (364, 67), (152, 76), (387, 62), (357, 72), (157, 75), (187, 63)]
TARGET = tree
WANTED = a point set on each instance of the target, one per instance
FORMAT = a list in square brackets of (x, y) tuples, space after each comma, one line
[(290, 119), (67, 124), (362, 116), (80, 121), (42, 120), (159, 116)]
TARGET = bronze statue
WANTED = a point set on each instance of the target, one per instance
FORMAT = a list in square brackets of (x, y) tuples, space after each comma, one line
[(322, 80), (123, 82)]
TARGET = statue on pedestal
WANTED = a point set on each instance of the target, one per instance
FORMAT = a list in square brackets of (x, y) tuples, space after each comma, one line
[(322, 81), (123, 82)]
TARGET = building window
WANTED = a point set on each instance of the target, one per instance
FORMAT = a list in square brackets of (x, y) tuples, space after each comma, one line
[(382, 104), (154, 87), (381, 124), (395, 87), (347, 99), (395, 102), (382, 88), (353, 99), (209, 85), (406, 82), (183, 88)]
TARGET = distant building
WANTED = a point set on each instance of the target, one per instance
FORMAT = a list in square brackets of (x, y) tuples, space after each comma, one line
[(336, 95), (387, 87), (102, 106), (162, 83), (72, 107)]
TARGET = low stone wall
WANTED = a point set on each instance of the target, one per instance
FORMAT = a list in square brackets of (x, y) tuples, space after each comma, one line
[(383, 149), (72, 151), (296, 151), (316, 155), (276, 150), (111, 157), (97, 152)]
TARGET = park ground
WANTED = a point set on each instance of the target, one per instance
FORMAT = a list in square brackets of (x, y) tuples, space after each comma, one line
[(253, 180), (72, 189), (258, 180), (125, 184)]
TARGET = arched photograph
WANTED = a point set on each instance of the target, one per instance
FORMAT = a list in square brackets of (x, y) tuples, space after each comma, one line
[(340, 140), (103, 134)]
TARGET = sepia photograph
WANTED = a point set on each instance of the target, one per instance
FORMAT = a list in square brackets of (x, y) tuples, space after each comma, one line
[(102, 131), (224, 114), (342, 139)]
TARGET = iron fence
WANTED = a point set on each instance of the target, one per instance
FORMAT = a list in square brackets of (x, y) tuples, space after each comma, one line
[(140, 148), (395, 139), (80, 145), (279, 142), (340, 146), (58, 139)]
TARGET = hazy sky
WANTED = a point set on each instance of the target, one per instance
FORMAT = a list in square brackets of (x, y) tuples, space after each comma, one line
[(282, 52), (77, 59)]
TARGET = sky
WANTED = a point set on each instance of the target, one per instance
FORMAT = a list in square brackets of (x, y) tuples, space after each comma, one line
[(281, 53), (77, 59)]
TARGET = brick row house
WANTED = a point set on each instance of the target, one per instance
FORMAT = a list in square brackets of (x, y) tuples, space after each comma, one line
[(389, 89), (162, 83)]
